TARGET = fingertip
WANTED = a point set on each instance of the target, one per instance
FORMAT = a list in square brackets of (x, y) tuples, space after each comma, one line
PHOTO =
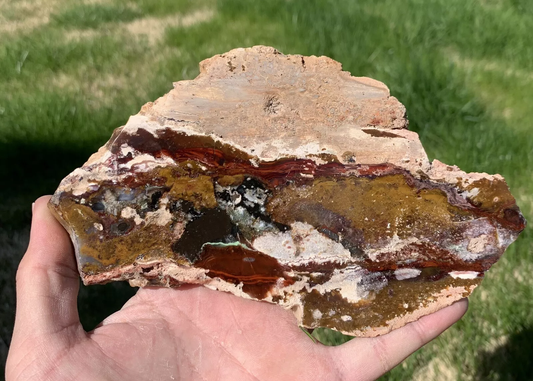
[(436, 323), (40, 213), (40, 202), (462, 306)]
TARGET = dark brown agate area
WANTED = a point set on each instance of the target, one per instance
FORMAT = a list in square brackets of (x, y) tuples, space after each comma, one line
[(355, 245)]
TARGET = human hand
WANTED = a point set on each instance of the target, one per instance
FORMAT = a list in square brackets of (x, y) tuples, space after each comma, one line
[(171, 334)]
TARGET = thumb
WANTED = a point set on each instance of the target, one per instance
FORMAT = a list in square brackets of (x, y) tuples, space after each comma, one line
[(47, 278)]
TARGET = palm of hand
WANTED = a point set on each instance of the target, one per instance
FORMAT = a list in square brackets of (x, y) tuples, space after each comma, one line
[(188, 333), (197, 333)]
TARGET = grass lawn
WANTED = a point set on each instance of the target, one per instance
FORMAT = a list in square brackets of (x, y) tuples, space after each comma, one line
[(70, 72)]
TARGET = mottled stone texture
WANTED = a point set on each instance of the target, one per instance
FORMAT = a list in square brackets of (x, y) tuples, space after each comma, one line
[(284, 179)]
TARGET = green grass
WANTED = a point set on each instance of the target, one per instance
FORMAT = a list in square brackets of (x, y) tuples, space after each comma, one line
[(463, 69), (82, 16), (166, 7)]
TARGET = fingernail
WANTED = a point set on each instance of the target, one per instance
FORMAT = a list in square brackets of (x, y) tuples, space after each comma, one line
[(32, 207)]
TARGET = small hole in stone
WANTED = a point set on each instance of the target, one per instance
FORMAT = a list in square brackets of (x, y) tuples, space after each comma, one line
[(123, 227), (98, 207)]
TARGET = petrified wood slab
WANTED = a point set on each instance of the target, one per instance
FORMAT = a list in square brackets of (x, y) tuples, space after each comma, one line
[(284, 179)]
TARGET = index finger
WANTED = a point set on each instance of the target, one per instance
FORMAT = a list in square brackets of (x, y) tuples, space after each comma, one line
[(369, 358)]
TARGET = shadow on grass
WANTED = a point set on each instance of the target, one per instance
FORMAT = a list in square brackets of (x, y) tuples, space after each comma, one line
[(33, 168), (511, 361)]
